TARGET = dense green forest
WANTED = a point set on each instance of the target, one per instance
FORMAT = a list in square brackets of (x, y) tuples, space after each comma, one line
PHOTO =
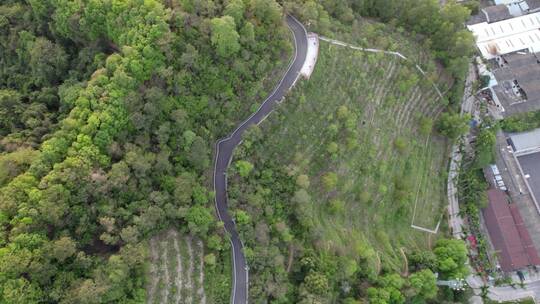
[(109, 111), (109, 114)]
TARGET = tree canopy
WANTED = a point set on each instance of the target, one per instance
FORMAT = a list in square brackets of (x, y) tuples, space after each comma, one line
[(109, 112)]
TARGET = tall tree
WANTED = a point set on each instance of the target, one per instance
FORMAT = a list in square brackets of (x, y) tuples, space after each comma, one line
[(224, 36)]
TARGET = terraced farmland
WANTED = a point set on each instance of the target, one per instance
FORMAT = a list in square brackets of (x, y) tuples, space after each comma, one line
[(176, 269), (360, 131)]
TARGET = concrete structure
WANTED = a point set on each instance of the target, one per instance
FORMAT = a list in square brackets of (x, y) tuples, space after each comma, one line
[(508, 233), (515, 7), (505, 9), (312, 54), (507, 36), (518, 76)]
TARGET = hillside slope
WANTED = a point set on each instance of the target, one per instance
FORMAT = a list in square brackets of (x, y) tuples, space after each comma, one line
[(341, 169)]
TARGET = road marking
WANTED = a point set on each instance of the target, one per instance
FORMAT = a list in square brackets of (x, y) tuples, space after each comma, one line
[(233, 295)]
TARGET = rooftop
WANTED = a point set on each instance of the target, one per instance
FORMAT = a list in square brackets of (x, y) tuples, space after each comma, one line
[(525, 142), (530, 164), (533, 4), (507, 36), (520, 7), (496, 13), (508, 233), (520, 70)]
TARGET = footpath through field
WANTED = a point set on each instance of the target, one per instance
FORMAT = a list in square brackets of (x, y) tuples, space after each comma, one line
[(398, 54)]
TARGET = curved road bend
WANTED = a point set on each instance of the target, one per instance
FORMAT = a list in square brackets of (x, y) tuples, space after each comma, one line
[(224, 151)]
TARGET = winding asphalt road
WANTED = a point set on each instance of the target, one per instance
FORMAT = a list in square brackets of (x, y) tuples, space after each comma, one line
[(224, 152)]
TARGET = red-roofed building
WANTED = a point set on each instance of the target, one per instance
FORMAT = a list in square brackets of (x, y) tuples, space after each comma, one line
[(526, 240), (508, 234)]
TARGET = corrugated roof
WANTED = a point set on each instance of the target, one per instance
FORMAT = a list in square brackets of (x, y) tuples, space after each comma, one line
[(526, 141), (526, 239), (507, 36), (506, 229), (530, 163)]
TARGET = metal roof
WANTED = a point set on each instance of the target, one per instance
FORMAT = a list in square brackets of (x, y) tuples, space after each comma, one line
[(508, 233), (526, 142), (507, 36), (530, 163)]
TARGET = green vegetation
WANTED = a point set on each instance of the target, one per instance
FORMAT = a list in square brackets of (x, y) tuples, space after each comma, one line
[(521, 122), (451, 257), (485, 147), (109, 111), (176, 269), (472, 195), (339, 169), (453, 125), (439, 28)]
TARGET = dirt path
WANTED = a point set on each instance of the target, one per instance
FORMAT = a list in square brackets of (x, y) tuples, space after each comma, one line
[(200, 291), (189, 282), (178, 281), (396, 54), (166, 279), (291, 257), (154, 255), (405, 262)]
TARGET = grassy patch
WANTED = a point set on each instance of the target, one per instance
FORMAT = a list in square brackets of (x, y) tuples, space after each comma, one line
[(217, 283)]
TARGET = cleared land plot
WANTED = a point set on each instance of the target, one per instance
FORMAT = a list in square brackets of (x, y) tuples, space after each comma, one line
[(359, 117), (176, 269), (531, 165)]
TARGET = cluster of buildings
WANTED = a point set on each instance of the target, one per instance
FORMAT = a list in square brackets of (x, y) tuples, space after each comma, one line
[(508, 38), (512, 216)]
